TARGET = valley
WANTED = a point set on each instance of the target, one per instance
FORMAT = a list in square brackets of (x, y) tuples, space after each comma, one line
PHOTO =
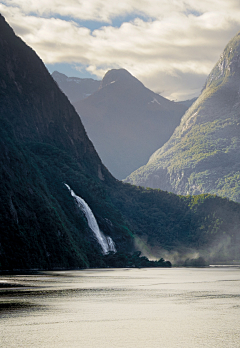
[(44, 146)]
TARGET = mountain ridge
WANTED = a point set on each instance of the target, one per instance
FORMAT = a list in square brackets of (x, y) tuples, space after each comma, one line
[(201, 156), (126, 121), (74, 87), (43, 147)]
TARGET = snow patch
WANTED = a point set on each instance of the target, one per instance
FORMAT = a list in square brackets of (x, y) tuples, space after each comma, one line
[(74, 80), (155, 101)]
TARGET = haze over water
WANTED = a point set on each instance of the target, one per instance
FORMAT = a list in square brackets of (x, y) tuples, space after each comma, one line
[(116, 308)]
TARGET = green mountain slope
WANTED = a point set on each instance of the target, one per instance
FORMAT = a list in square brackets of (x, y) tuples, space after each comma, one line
[(44, 145), (202, 156)]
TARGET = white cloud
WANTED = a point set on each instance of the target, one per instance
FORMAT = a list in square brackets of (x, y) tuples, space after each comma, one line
[(172, 50), (105, 10), (98, 10)]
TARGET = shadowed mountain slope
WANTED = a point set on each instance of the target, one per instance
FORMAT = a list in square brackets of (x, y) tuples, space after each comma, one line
[(127, 122), (202, 156), (76, 88), (43, 145)]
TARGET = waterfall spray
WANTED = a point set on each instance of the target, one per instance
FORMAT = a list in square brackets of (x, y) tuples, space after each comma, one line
[(107, 244)]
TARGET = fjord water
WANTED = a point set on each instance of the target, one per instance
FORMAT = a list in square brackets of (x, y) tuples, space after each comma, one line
[(116, 308)]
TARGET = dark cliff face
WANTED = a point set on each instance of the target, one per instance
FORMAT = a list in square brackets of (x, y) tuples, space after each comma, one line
[(127, 122), (33, 104), (44, 145), (202, 154)]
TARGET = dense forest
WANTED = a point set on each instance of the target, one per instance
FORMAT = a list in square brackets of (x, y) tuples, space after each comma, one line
[(43, 146)]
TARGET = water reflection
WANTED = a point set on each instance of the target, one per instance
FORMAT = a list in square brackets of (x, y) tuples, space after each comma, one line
[(122, 308)]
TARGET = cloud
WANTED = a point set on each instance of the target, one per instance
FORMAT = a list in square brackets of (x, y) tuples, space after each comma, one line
[(106, 10), (171, 49), (97, 10)]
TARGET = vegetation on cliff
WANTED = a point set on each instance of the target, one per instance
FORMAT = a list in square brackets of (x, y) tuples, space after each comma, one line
[(44, 145), (202, 156)]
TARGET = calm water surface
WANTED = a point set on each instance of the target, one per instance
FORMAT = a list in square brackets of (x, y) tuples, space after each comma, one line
[(122, 308)]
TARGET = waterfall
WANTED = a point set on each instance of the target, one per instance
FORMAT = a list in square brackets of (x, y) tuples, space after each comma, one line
[(107, 244)]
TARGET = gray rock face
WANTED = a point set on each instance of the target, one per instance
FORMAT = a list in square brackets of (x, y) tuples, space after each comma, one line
[(75, 88), (43, 145), (202, 156), (127, 122)]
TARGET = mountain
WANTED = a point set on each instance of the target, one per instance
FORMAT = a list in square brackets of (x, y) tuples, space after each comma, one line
[(202, 156), (127, 122), (76, 88), (43, 147), (188, 102)]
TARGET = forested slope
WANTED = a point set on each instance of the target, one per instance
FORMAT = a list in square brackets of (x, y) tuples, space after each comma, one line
[(43, 146), (202, 156)]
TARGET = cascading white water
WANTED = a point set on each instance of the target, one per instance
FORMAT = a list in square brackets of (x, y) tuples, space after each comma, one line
[(106, 243)]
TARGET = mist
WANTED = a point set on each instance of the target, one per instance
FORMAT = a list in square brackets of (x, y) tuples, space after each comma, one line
[(222, 250)]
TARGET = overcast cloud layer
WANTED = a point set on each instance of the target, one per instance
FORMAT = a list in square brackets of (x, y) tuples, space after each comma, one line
[(170, 45)]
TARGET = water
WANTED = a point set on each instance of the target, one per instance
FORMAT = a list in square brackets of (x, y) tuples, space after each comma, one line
[(121, 308), (106, 243)]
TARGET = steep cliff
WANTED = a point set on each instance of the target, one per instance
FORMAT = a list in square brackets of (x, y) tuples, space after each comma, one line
[(43, 145), (202, 156)]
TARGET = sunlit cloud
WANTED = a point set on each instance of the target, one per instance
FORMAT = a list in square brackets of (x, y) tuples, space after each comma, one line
[(171, 46)]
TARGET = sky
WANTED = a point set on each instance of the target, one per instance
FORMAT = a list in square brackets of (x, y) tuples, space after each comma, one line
[(169, 45)]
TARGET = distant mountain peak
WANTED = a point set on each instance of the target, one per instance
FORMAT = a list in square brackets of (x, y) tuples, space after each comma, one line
[(59, 76), (44, 145), (121, 75), (127, 121), (76, 88)]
